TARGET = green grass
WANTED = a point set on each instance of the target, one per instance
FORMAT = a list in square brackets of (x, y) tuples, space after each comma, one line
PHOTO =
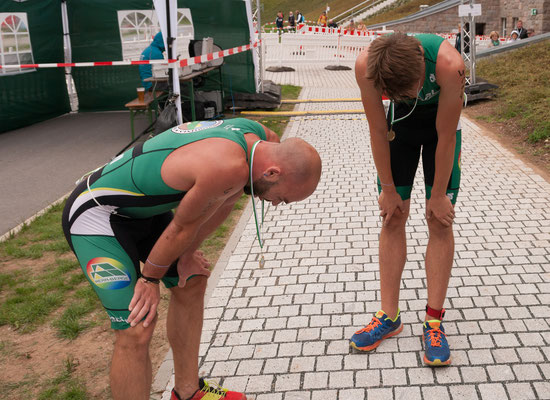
[(72, 321), (64, 386), (397, 10), (43, 235), (524, 94), (29, 298)]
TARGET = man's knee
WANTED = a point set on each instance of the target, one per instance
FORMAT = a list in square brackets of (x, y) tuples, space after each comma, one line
[(436, 227), (398, 220), (135, 338), (195, 288)]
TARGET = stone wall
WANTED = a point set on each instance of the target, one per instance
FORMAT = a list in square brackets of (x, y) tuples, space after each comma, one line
[(493, 11)]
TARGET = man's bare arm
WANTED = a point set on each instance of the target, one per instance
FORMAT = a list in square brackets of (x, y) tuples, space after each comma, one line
[(196, 210), (451, 79), (374, 111)]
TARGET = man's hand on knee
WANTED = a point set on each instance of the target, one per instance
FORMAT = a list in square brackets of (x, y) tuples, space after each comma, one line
[(442, 209), (195, 264), (144, 303)]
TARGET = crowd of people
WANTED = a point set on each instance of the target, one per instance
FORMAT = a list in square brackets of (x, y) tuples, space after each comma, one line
[(293, 20), (518, 33)]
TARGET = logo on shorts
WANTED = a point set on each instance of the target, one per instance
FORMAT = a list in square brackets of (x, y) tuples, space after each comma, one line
[(108, 273), (117, 319), (196, 126), (450, 196)]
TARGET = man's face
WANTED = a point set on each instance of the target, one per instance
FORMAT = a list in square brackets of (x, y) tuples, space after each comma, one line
[(520, 24), (280, 192)]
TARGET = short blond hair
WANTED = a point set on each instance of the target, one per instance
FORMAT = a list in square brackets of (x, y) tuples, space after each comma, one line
[(493, 33)]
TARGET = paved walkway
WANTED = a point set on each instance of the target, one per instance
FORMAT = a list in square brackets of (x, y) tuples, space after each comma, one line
[(281, 332)]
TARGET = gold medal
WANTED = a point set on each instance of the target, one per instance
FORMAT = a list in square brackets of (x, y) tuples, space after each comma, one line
[(391, 135), (262, 261)]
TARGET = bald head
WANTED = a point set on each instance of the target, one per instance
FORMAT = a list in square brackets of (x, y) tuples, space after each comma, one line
[(300, 164)]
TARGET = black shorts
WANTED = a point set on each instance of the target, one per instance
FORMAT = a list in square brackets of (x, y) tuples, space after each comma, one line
[(416, 135)]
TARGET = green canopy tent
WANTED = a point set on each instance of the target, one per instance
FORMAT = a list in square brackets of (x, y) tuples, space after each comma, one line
[(103, 30)]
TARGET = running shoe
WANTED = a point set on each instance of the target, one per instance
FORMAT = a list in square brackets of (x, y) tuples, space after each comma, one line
[(210, 391), (436, 348), (380, 327)]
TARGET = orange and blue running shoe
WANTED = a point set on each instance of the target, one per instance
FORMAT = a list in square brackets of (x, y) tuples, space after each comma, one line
[(380, 327), (436, 348), (210, 391)]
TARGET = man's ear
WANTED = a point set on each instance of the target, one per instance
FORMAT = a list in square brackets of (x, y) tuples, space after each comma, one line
[(272, 174)]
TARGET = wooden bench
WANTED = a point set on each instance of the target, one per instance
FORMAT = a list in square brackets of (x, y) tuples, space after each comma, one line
[(143, 107)]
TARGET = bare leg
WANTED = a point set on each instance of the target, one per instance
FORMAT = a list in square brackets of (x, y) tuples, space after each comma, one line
[(439, 261), (393, 254), (184, 327), (131, 374)]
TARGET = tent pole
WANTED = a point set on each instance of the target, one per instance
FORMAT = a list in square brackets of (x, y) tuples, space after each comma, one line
[(173, 71), (68, 55), (261, 46)]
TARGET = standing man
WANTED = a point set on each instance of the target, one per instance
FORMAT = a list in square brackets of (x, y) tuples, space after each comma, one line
[(423, 75), (522, 32), (121, 215)]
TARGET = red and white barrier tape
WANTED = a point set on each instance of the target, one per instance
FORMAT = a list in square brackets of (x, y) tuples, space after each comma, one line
[(182, 63), (340, 31)]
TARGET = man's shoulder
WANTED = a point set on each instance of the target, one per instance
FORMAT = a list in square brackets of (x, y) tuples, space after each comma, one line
[(448, 57)]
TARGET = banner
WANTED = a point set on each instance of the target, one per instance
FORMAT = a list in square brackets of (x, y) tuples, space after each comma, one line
[(31, 32)]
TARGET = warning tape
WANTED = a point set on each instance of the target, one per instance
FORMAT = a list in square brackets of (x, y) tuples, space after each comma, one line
[(182, 63), (340, 31)]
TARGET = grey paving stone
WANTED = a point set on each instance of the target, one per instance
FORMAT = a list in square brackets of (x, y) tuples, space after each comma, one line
[(492, 391), (520, 391), (464, 392), (473, 374), (435, 392), (526, 372), (287, 382), (542, 389), (379, 394)]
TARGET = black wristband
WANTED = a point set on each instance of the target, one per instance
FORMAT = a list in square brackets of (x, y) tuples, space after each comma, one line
[(147, 279)]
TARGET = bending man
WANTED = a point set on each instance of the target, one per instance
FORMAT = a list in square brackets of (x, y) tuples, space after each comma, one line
[(423, 75), (121, 216)]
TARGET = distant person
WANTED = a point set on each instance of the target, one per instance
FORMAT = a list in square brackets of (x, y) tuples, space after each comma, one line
[(291, 21), (322, 20), (514, 36), (522, 32), (152, 52), (466, 38), (300, 18), (361, 27), (332, 24), (351, 27), (530, 32), (279, 21), (494, 39)]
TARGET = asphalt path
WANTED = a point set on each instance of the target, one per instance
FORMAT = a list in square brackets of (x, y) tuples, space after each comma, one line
[(40, 163)]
